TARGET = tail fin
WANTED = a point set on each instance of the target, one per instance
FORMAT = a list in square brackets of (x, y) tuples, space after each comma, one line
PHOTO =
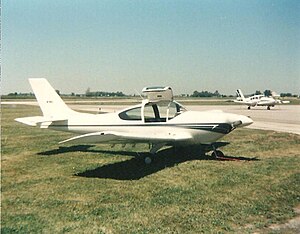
[(240, 94), (52, 106)]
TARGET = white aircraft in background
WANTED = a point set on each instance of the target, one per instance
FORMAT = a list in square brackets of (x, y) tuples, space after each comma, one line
[(258, 100), (158, 120)]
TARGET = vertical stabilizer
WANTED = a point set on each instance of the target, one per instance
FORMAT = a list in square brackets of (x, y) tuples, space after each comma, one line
[(50, 102), (240, 94)]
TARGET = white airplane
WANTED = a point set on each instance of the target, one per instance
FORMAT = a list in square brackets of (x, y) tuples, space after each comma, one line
[(158, 120), (258, 100)]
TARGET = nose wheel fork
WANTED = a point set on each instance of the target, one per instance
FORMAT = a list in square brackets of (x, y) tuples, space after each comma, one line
[(217, 153)]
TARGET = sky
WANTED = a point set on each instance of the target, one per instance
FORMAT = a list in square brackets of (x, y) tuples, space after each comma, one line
[(122, 45)]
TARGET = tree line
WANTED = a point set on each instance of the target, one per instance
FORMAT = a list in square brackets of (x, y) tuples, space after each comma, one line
[(88, 93), (206, 94), (196, 93)]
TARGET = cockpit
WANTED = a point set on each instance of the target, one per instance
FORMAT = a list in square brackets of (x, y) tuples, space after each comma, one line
[(158, 107), (150, 112)]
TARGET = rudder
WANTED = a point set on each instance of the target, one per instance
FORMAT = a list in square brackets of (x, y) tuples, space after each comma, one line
[(240, 94)]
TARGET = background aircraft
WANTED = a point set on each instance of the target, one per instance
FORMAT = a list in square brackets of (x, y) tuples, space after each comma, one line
[(258, 100), (158, 120)]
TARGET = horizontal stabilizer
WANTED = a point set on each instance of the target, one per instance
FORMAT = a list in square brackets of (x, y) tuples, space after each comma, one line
[(38, 120), (278, 101)]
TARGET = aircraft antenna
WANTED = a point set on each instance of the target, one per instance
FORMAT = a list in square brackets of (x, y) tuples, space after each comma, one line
[(139, 94)]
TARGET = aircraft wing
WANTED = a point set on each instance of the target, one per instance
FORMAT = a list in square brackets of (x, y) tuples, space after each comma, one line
[(241, 102), (245, 102), (282, 102), (115, 137)]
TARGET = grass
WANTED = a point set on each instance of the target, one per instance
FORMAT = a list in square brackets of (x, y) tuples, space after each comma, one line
[(99, 189)]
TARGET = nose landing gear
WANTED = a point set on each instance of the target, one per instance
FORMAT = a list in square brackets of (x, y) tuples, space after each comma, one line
[(217, 153)]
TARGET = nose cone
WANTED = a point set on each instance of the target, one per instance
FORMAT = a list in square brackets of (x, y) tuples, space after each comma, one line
[(245, 121)]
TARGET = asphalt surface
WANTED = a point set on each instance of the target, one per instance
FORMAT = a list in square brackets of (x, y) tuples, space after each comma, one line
[(281, 118)]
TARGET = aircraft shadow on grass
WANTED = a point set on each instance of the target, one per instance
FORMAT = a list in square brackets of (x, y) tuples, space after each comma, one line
[(135, 168), (68, 149)]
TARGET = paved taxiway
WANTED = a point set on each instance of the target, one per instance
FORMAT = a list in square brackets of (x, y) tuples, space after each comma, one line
[(282, 118)]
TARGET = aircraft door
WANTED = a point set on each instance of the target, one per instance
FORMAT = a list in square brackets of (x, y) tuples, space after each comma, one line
[(161, 112)]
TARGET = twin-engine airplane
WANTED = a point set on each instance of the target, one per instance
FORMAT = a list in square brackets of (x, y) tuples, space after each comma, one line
[(158, 120), (258, 100)]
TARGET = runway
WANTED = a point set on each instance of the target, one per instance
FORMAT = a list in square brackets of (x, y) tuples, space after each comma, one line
[(281, 118)]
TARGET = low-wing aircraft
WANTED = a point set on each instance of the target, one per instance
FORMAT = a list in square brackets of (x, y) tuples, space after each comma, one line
[(158, 120), (258, 100)]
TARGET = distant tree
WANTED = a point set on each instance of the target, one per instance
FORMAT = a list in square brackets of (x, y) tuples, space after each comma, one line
[(286, 95), (87, 92), (104, 94), (205, 94), (58, 92), (257, 92), (13, 94), (217, 94), (268, 93), (195, 94)]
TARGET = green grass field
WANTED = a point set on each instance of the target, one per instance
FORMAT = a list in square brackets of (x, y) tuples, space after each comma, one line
[(48, 188)]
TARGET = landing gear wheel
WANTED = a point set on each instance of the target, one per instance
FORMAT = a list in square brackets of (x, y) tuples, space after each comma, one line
[(249, 108), (268, 108), (217, 154), (148, 160)]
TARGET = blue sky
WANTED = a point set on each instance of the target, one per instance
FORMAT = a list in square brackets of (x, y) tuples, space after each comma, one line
[(124, 45)]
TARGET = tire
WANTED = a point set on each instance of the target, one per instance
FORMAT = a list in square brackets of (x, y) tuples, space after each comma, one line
[(148, 160)]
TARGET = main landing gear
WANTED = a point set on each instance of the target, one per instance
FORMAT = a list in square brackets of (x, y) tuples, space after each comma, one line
[(153, 150), (216, 154), (148, 160)]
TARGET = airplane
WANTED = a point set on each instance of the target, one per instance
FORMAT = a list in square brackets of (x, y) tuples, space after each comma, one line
[(258, 100), (159, 120)]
